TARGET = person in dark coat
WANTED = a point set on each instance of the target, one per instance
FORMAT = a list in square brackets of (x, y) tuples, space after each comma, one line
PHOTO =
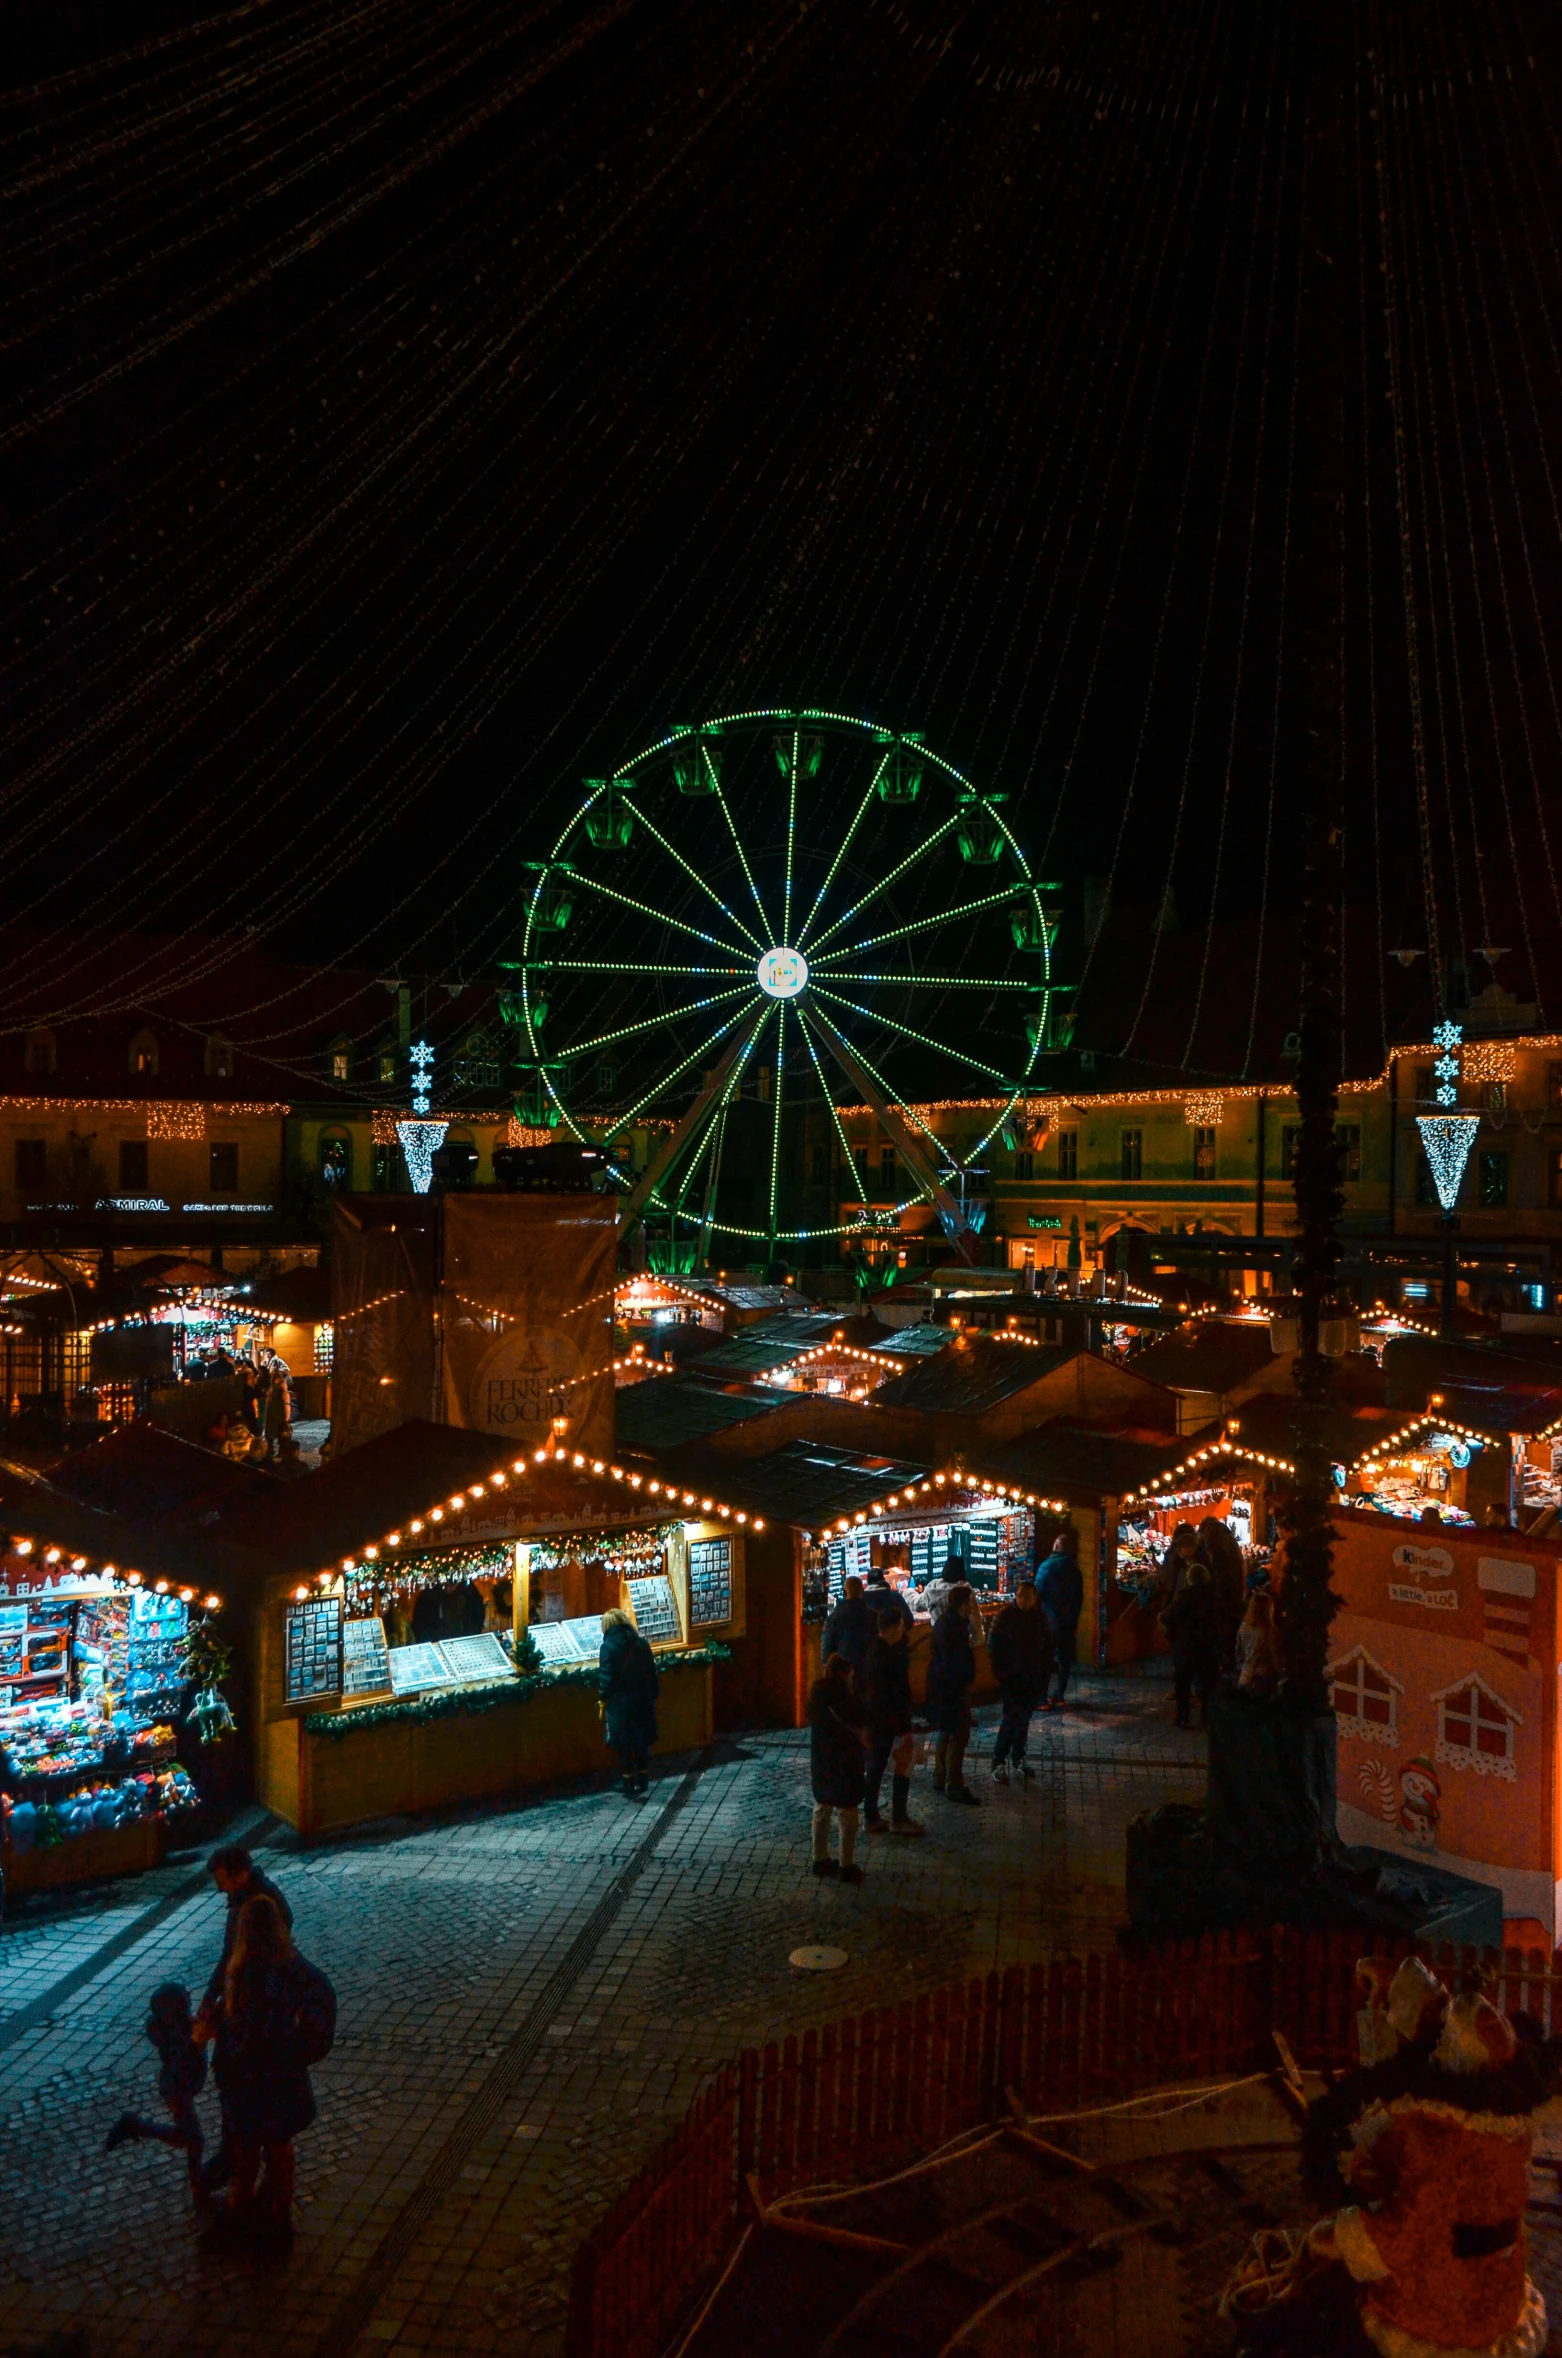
[(884, 1598), (261, 2066), (1019, 1646), (851, 1629), (949, 1677), (627, 1681), (238, 1879), (836, 1745), (180, 2079), (1192, 1623), (1060, 1586), (887, 1694), (1221, 1550)]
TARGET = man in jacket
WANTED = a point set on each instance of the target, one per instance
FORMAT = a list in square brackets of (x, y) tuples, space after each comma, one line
[(949, 1677), (851, 1629), (885, 1599), (238, 1879), (1060, 1586), (1020, 1648), (887, 1686)]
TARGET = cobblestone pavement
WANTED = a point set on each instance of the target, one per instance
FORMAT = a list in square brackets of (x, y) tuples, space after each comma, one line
[(530, 1997)]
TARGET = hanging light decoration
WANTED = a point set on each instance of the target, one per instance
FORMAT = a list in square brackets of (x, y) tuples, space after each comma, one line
[(420, 1142), (1446, 1140)]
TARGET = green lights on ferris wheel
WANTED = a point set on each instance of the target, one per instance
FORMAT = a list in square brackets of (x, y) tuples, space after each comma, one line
[(758, 975)]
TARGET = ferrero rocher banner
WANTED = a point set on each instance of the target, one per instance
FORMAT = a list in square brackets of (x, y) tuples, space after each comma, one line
[(489, 1311), (527, 1301)]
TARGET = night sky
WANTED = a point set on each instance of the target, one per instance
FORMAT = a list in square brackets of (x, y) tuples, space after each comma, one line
[(409, 411)]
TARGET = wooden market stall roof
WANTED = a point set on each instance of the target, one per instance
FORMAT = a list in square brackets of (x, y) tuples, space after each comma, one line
[(298, 1297), (660, 1416), (152, 1476), (44, 1525)]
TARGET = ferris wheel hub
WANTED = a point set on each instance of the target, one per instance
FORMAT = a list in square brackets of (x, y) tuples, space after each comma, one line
[(783, 974)]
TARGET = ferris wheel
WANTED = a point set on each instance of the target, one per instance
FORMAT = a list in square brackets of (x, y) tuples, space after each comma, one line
[(757, 923)]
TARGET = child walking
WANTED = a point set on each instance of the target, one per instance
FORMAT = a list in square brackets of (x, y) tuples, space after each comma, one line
[(171, 2029)]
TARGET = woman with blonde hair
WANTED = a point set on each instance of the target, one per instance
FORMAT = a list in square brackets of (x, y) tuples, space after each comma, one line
[(1258, 1646), (627, 1680), (275, 2016)]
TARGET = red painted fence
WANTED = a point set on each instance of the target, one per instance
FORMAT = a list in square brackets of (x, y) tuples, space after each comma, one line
[(861, 2096)]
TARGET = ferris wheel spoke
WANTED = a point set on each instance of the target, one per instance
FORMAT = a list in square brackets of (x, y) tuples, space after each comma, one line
[(689, 870), (940, 1047), (659, 916), (908, 1113), (845, 843), (931, 982), (775, 1124), (786, 900), (628, 966), (826, 1091), (737, 841), (929, 843), (652, 1023), (898, 933), (623, 1120)]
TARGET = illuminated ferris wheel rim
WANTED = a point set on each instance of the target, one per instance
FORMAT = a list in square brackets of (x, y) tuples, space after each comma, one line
[(768, 972)]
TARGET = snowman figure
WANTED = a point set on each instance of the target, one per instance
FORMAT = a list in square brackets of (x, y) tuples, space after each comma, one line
[(1420, 1798)]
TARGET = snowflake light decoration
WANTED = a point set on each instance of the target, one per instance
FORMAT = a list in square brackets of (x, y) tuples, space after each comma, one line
[(421, 1059), (1448, 1038)]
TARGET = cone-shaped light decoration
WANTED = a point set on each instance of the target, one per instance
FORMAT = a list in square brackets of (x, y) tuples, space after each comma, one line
[(421, 1141), (1447, 1139)]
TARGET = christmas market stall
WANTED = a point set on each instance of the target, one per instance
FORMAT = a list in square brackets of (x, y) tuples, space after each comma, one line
[(1444, 1678), (111, 1680), (431, 1620)]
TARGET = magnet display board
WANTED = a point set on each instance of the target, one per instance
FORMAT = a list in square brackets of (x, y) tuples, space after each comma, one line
[(365, 1657), (312, 1649)]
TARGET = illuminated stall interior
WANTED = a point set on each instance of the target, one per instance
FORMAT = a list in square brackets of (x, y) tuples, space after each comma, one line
[(97, 1669)]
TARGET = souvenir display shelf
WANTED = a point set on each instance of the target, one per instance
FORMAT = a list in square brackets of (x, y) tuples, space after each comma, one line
[(92, 1686)]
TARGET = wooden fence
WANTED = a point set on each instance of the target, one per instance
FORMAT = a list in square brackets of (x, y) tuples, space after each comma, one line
[(862, 2096)]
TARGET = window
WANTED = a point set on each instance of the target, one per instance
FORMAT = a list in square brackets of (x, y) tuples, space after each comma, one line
[(1365, 1699), (1426, 1085), (1024, 1163), (224, 1170), (1290, 1140), (336, 1159), (1068, 1154), (143, 1056), (385, 1064), (887, 1171), (340, 1053), (1347, 1149), (607, 1079), (1475, 1728), (133, 1174), (1494, 1180), (477, 1064), (39, 1052), (32, 1163), (1204, 1153), (860, 1156), (219, 1058), (1496, 1096), (1133, 1153)]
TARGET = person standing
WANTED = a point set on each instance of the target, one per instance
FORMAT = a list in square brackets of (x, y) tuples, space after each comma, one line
[(851, 1628), (885, 1598), (180, 2079), (1221, 1550), (1019, 1646), (275, 1417), (949, 1677), (238, 1879), (1192, 1622), (1258, 1645), (1060, 1586), (275, 2015), (627, 1682), (835, 1760), (887, 1691)]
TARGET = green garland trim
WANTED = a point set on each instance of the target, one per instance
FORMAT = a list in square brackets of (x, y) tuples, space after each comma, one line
[(494, 1695)]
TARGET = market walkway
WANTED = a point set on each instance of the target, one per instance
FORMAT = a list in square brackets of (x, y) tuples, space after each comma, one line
[(530, 1997)]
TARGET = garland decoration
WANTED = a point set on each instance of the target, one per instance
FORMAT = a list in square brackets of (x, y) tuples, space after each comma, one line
[(370, 1586), (491, 1696)]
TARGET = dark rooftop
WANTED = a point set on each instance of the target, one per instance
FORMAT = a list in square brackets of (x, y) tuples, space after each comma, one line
[(671, 1410), (804, 1482), (971, 1373), (1211, 1356)]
